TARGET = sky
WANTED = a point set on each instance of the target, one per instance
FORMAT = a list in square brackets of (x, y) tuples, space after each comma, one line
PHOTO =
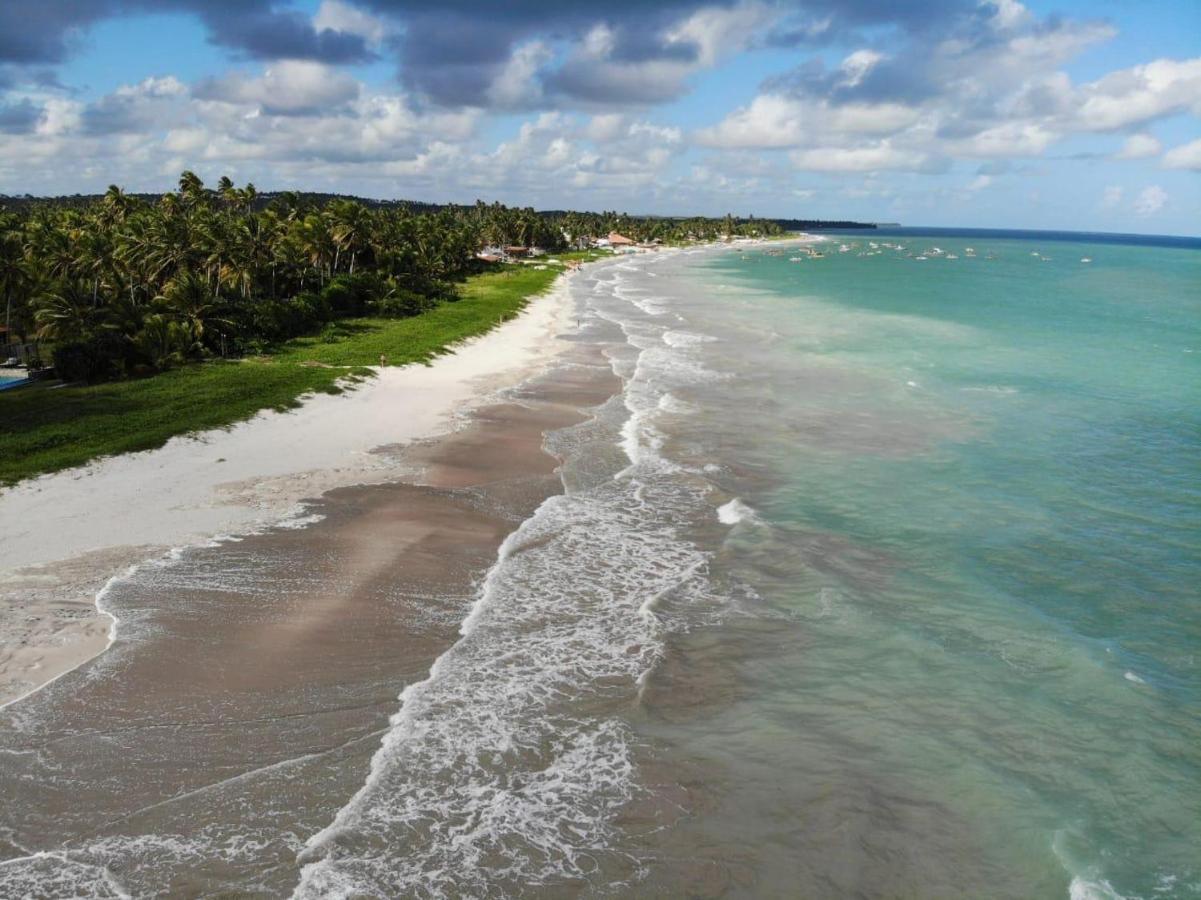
[(1080, 114)]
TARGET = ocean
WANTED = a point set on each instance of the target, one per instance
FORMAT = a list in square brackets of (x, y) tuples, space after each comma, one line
[(893, 592), (877, 577)]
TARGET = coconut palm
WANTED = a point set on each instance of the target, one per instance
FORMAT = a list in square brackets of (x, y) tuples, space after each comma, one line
[(166, 279)]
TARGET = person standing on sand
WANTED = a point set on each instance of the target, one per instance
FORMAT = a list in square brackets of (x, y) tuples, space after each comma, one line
[(383, 360)]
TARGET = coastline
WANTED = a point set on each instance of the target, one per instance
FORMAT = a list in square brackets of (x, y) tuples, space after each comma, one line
[(253, 677), (81, 528)]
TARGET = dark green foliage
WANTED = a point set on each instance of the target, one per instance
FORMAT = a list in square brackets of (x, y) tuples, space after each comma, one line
[(400, 303), (123, 285), (86, 361), (349, 295), (49, 428)]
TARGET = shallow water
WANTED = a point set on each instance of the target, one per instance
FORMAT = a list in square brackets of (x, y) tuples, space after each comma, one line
[(969, 504), (892, 592), (877, 578)]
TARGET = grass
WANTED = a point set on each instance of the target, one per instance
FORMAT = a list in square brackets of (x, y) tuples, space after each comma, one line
[(46, 428)]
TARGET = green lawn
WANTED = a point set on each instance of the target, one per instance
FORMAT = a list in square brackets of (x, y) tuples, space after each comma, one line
[(45, 428)]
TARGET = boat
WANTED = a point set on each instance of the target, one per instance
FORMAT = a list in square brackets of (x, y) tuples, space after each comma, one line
[(1086, 259)]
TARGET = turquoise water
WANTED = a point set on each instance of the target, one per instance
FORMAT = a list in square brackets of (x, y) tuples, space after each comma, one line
[(878, 577), (970, 502)]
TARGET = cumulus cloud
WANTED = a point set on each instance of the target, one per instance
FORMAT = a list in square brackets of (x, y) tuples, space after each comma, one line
[(46, 31), (339, 17), (134, 108), (287, 88), (877, 157), (1150, 200), (631, 66), (456, 54), (294, 116), (982, 82), (980, 85), (1139, 146), (1186, 156), (1112, 197), (517, 83), (1141, 94)]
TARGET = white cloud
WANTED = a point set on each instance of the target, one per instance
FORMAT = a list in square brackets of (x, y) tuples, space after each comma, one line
[(1009, 14), (1150, 200), (771, 120), (336, 15), (875, 158), (1186, 156), (606, 127), (1112, 196), (774, 120), (518, 85), (1007, 140), (999, 98), (60, 116), (170, 86), (595, 73), (1139, 146), (1140, 94), (287, 87), (857, 65), (717, 32)]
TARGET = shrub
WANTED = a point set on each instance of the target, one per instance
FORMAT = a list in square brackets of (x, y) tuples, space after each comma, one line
[(162, 342), (88, 361), (349, 295), (401, 304)]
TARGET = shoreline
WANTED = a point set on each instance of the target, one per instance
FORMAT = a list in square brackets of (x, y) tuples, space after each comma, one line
[(84, 528), (232, 482), (262, 674)]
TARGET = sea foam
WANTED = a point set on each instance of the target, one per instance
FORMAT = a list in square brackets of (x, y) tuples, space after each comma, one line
[(503, 770)]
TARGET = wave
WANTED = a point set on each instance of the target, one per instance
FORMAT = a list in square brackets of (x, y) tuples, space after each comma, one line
[(734, 512), (509, 765), (686, 338)]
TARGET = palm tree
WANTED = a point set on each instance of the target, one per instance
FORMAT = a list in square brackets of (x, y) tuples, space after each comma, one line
[(349, 225), (66, 311), (186, 297), (166, 277), (13, 276)]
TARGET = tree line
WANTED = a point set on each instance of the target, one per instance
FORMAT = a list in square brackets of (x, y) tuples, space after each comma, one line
[(123, 285)]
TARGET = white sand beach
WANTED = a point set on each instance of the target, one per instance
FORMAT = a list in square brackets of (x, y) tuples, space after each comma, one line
[(65, 535)]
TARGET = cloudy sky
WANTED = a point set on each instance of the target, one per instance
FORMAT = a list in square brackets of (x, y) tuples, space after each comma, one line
[(1078, 114)]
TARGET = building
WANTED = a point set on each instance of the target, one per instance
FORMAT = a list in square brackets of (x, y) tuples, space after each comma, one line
[(619, 240)]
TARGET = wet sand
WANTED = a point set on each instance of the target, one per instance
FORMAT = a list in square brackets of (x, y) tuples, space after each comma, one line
[(251, 680), (66, 534)]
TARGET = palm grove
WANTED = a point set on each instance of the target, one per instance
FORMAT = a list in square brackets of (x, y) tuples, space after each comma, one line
[(119, 285)]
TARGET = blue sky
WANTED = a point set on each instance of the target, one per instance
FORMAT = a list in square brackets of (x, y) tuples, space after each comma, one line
[(1072, 114)]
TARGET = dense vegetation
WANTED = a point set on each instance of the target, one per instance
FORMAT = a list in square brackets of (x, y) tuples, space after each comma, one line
[(277, 296), (123, 285), (47, 428)]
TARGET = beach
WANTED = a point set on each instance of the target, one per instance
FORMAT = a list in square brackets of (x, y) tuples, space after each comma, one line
[(69, 533), (726, 571)]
